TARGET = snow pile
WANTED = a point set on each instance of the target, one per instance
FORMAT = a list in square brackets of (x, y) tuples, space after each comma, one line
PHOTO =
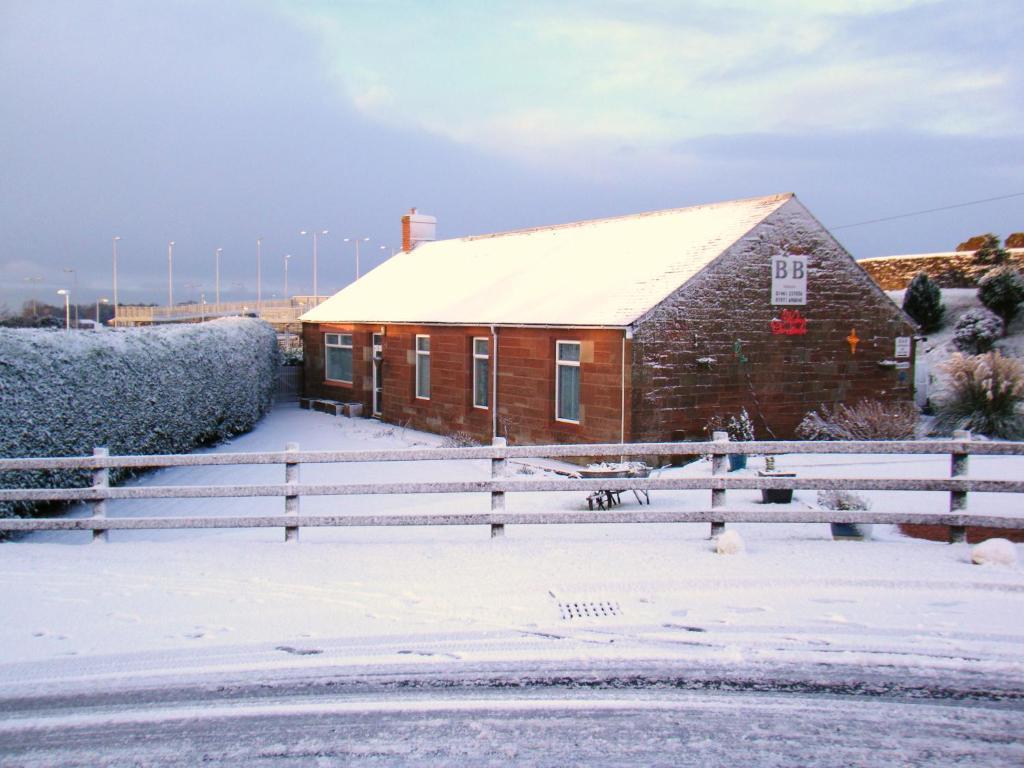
[(140, 391), (730, 543), (994, 552)]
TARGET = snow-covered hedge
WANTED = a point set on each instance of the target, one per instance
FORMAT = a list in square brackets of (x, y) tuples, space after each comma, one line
[(141, 391)]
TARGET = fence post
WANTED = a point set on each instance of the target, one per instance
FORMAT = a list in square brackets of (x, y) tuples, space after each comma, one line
[(291, 500), (498, 497), (958, 499), (100, 479), (718, 469)]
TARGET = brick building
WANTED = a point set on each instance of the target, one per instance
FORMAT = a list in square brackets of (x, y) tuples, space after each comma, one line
[(636, 328)]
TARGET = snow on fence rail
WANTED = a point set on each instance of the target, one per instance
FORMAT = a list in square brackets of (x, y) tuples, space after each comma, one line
[(958, 485)]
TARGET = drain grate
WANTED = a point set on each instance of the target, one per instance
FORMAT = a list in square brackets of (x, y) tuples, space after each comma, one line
[(591, 610)]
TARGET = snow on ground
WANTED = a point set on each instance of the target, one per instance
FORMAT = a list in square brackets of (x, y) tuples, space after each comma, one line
[(188, 600)]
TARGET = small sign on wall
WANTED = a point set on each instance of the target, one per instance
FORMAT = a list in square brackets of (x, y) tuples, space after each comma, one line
[(789, 279), (902, 346)]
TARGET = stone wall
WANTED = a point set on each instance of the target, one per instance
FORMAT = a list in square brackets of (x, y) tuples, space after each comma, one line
[(955, 269), (710, 350)]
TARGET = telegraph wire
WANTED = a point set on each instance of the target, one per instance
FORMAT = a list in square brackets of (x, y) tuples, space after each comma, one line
[(929, 210)]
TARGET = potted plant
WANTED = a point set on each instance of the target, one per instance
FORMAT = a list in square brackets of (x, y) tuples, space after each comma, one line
[(741, 430), (775, 495)]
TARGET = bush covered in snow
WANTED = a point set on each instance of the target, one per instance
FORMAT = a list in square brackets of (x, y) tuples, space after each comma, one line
[(846, 501), (923, 302), (976, 331), (1002, 291), (140, 391), (984, 394), (866, 420)]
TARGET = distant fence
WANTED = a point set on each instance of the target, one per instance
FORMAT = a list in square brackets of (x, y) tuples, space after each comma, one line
[(718, 514), (278, 311)]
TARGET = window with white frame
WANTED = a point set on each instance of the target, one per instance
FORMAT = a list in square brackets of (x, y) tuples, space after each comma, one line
[(567, 381), (423, 367), (481, 368), (338, 357)]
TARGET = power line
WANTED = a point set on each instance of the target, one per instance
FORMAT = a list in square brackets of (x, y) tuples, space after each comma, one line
[(930, 210)]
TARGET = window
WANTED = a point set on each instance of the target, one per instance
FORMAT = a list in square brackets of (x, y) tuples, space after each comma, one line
[(423, 367), (567, 381), (481, 383), (338, 357)]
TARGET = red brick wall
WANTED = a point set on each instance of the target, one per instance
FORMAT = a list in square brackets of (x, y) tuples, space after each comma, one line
[(526, 381), (725, 314), (315, 385)]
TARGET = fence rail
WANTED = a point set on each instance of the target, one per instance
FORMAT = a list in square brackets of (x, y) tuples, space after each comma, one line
[(958, 486)]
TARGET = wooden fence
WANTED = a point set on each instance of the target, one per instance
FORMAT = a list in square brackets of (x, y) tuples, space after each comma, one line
[(958, 485)]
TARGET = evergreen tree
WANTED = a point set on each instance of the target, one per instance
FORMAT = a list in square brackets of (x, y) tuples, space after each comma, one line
[(1002, 291), (923, 302), (991, 253)]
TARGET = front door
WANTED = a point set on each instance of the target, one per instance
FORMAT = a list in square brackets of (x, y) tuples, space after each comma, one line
[(378, 372)]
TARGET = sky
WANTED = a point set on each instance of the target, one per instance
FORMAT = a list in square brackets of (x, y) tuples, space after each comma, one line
[(213, 124)]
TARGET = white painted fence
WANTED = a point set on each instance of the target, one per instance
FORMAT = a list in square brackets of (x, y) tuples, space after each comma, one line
[(957, 485)]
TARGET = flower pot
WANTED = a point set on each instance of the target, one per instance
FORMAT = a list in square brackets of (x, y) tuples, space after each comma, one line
[(851, 531), (776, 495), (737, 461)]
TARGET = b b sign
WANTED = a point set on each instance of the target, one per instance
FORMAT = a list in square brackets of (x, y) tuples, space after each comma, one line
[(789, 280)]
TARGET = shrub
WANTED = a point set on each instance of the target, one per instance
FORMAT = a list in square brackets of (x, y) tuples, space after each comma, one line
[(459, 439), (867, 420), (842, 500), (923, 302), (1002, 291), (991, 253), (141, 391), (977, 330), (984, 394), (740, 428)]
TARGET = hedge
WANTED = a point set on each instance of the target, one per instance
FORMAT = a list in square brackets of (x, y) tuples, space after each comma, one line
[(166, 389)]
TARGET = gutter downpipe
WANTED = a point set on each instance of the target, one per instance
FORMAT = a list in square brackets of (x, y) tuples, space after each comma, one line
[(494, 400), (627, 334)]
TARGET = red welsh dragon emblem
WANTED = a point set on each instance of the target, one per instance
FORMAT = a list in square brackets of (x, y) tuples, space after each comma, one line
[(792, 323)]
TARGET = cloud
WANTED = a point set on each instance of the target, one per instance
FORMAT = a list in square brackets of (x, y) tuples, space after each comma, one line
[(541, 81)]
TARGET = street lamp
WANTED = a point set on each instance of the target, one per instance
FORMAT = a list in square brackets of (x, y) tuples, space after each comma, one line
[(316, 234), (357, 241), (113, 241), (98, 302), (216, 255), (287, 258), (67, 308), (259, 275), (30, 280), (170, 277), (74, 277)]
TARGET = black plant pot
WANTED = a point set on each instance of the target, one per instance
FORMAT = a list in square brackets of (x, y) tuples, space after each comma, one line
[(776, 495)]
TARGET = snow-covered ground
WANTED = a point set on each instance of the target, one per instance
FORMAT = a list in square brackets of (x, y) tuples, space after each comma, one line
[(174, 604)]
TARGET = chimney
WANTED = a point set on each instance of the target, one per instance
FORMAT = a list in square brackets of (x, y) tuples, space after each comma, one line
[(417, 228)]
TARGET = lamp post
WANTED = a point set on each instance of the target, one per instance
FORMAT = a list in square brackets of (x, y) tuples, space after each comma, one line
[(98, 302), (216, 256), (259, 274), (316, 234), (74, 278), (30, 280), (357, 241), (287, 258), (67, 308), (113, 242), (170, 278)]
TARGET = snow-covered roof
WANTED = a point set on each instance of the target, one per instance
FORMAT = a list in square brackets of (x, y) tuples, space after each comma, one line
[(606, 272)]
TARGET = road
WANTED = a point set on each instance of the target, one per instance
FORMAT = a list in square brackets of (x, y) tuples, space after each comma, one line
[(645, 713)]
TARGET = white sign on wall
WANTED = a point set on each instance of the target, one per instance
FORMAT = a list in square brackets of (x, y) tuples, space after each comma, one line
[(902, 346), (789, 279)]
